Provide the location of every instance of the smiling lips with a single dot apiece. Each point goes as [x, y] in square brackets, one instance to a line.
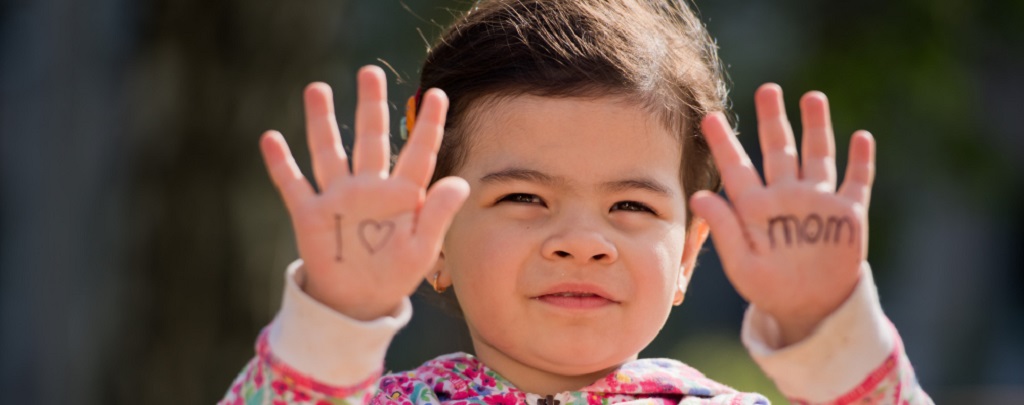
[576, 297]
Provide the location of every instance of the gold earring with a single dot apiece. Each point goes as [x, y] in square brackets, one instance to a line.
[680, 295]
[437, 287]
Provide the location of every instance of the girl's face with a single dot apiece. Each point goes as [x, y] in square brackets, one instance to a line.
[572, 245]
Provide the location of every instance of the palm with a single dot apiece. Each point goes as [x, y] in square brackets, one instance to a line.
[363, 223]
[802, 245]
[794, 246]
[369, 237]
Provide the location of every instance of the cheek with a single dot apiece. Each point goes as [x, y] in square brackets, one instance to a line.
[656, 263]
[486, 263]
[483, 255]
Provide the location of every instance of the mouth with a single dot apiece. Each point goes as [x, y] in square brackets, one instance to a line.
[576, 297]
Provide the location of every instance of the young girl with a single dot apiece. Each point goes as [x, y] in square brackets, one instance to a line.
[572, 193]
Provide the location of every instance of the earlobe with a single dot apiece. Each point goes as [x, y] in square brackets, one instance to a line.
[438, 278]
[680, 287]
[440, 288]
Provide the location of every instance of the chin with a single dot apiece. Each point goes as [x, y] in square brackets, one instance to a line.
[574, 357]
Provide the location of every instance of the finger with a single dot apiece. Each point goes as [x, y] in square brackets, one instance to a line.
[726, 230]
[776, 135]
[329, 160]
[443, 201]
[416, 162]
[372, 148]
[738, 173]
[819, 148]
[284, 172]
[860, 169]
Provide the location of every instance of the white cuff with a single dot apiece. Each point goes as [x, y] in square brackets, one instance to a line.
[325, 344]
[844, 349]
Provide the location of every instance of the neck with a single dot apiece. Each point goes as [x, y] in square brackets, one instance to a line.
[533, 379]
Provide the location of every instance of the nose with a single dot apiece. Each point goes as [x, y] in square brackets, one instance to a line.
[580, 245]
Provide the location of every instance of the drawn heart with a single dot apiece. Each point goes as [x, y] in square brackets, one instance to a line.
[375, 235]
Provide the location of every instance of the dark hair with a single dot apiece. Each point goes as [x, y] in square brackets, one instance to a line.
[654, 52]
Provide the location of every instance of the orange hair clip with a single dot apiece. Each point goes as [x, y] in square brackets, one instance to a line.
[409, 120]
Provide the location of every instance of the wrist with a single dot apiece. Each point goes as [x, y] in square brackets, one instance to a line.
[795, 329]
[324, 344]
[795, 326]
[357, 307]
[844, 347]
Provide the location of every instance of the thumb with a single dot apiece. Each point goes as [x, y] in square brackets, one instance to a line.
[726, 231]
[443, 200]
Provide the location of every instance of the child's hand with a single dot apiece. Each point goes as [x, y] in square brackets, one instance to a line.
[367, 239]
[793, 247]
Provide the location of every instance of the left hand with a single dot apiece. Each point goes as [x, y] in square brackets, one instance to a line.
[793, 246]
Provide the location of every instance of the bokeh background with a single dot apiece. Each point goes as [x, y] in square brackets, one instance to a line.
[143, 247]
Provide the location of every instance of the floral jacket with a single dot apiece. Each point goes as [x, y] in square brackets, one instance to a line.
[461, 379]
[855, 357]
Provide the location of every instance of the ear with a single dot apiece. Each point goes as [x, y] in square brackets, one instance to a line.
[695, 238]
[444, 279]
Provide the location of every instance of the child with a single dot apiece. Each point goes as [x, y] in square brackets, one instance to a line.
[571, 196]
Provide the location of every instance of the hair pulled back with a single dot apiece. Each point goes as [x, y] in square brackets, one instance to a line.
[656, 53]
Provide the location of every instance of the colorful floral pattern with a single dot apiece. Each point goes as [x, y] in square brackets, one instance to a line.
[268, 380]
[461, 379]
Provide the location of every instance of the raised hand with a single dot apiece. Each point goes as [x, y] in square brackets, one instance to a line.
[367, 239]
[792, 246]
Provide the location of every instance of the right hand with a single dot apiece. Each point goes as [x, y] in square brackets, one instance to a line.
[366, 239]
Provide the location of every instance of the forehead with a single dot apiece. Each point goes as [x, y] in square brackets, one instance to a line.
[597, 139]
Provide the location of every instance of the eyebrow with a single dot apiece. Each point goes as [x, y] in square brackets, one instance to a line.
[520, 174]
[638, 184]
[534, 176]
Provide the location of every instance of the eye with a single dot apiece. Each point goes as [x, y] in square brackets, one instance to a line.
[632, 206]
[522, 198]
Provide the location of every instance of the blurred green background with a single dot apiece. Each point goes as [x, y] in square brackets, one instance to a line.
[142, 247]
